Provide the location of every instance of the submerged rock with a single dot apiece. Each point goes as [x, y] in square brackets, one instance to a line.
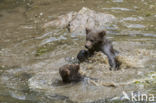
[76, 22]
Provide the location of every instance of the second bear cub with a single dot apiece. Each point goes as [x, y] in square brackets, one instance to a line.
[70, 73]
[96, 41]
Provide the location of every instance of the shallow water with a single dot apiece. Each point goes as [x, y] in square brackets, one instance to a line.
[30, 56]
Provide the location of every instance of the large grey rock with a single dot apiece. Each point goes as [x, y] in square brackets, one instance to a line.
[76, 22]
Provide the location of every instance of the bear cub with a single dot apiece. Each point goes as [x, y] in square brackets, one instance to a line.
[96, 41]
[70, 73]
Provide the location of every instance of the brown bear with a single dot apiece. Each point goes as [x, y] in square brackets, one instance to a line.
[70, 73]
[96, 41]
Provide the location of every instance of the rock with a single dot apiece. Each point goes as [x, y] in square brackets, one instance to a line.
[62, 21]
[76, 22]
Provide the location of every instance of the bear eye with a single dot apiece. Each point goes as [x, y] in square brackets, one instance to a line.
[92, 40]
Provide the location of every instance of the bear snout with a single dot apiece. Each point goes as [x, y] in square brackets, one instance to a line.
[88, 45]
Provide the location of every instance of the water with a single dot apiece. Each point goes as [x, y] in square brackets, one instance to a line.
[30, 56]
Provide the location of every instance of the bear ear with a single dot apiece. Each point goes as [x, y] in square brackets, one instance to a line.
[102, 33]
[87, 30]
